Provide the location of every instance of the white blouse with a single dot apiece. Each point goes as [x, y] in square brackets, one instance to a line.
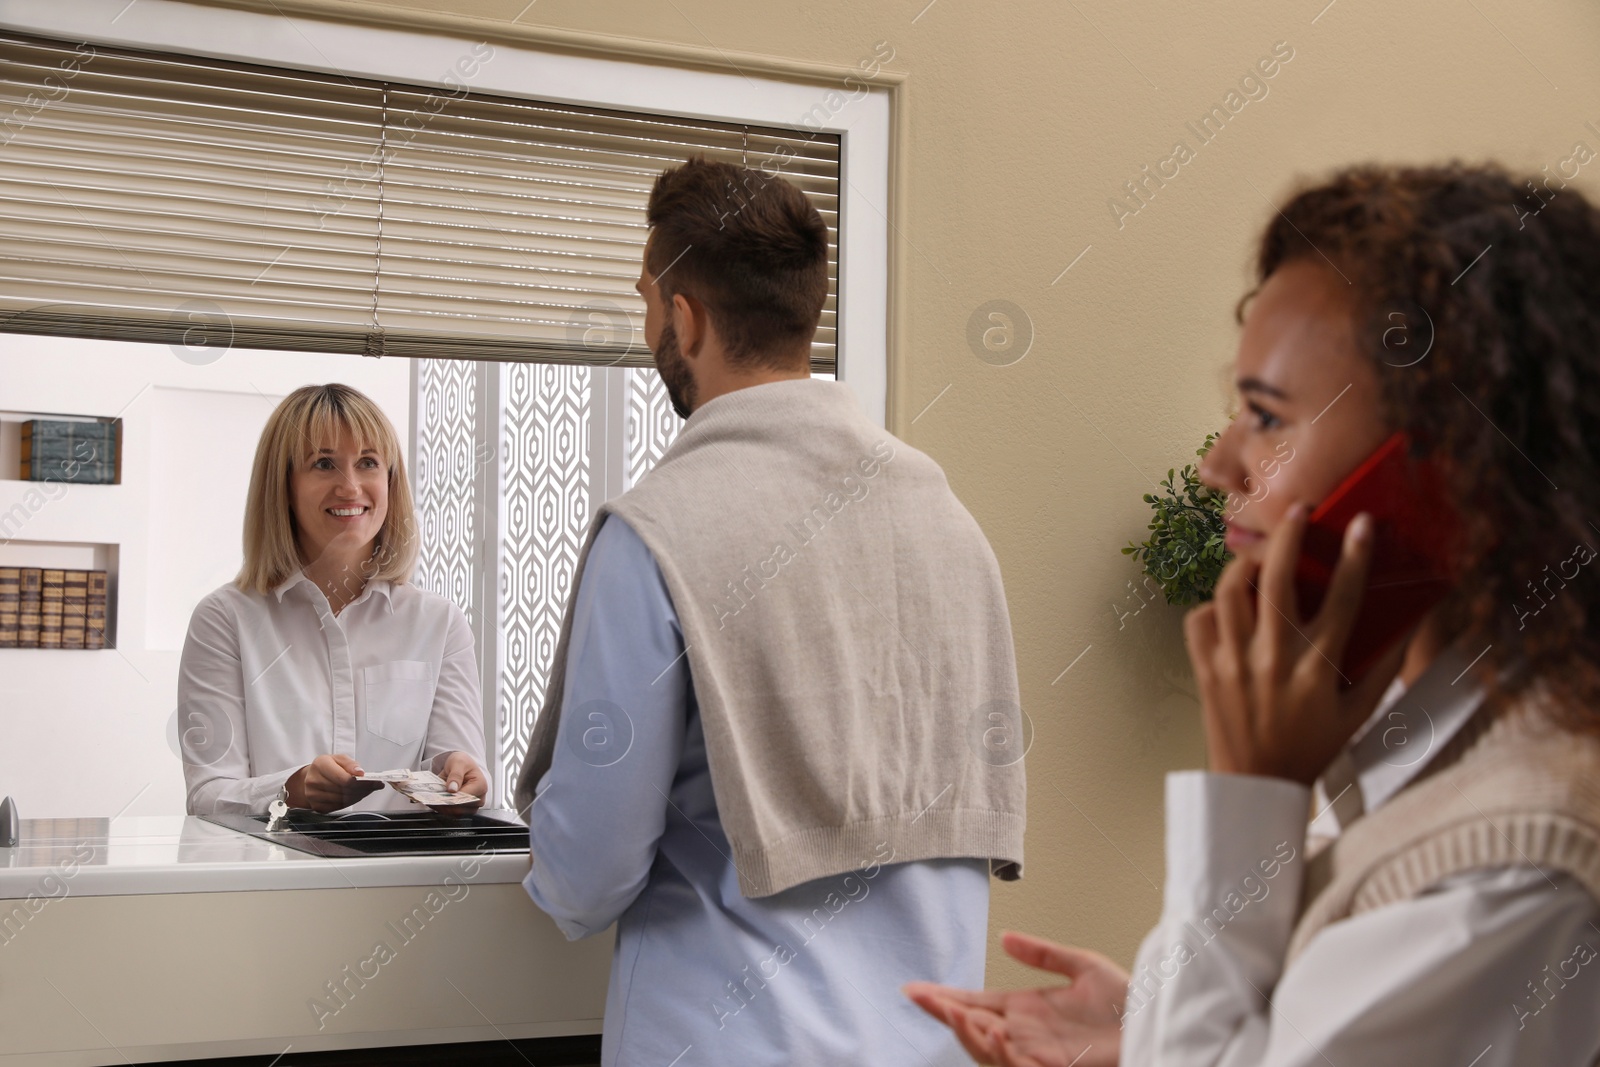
[1489, 968]
[268, 682]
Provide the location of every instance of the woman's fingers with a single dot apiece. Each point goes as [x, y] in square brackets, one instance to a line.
[330, 783]
[973, 1027]
[933, 999]
[1236, 614]
[1280, 608]
[977, 1031]
[1234, 599]
[1200, 638]
[987, 999]
[336, 770]
[1338, 614]
[929, 998]
[1050, 956]
[463, 773]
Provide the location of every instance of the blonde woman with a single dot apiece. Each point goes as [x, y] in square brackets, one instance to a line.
[320, 660]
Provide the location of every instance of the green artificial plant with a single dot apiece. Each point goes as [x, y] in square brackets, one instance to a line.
[1184, 552]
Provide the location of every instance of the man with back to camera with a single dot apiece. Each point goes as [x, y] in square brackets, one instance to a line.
[780, 745]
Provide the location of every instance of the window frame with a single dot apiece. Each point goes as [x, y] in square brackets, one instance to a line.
[859, 111]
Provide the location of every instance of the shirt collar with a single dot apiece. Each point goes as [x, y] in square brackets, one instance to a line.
[1407, 729]
[379, 586]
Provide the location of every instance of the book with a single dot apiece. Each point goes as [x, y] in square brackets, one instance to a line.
[28, 617]
[61, 451]
[75, 588]
[10, 607]
[50, 628]
[95, 622]
[45, 431]
[94, 628]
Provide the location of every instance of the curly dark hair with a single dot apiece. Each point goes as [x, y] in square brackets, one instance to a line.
[1493, 284]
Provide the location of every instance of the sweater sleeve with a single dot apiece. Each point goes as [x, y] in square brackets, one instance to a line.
[1490, 968]
[601, 808]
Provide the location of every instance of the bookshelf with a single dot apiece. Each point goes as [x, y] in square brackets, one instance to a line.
[57, 526]
[84, 577]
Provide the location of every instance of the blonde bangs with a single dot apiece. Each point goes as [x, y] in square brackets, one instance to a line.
[310, 418]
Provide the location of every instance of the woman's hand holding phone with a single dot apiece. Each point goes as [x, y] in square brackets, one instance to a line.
[1269, 681]
[328, 783]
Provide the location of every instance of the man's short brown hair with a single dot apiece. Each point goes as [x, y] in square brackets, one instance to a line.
[749, 246]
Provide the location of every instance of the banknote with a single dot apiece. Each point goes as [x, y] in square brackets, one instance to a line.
[401, 775]
[443, 799]
[424, 787]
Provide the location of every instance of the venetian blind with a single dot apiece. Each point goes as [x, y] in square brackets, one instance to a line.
[183, 200]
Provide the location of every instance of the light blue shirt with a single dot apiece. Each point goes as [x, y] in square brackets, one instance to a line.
[625, 830]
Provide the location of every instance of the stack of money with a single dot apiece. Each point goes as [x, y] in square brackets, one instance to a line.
[424, 787]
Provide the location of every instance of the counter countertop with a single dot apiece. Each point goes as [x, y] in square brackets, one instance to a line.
[184, 854]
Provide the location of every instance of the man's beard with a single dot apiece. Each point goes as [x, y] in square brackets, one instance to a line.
[675, 374]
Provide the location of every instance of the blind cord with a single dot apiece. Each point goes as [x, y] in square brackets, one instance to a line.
[375, 336]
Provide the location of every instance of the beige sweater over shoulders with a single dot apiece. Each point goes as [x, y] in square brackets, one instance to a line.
[847, 637]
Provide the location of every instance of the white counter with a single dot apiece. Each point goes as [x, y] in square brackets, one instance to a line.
[145, 939]
[185, 854]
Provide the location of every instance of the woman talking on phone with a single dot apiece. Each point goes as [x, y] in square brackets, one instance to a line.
[320, 661]
[1441, 907]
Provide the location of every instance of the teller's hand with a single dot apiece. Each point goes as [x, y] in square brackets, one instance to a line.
[462, 774]
[328, 783]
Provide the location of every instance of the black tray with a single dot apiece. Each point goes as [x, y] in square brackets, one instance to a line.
[383, 833]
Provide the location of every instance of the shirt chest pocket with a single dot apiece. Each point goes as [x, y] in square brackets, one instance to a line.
[398, 698]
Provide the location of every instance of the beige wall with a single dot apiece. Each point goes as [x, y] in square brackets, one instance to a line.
[1024, 118]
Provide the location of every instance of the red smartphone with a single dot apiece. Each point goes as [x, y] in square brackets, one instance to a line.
[1414, 527]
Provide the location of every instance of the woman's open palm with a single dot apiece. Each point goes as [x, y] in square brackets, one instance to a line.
[1073, 1025]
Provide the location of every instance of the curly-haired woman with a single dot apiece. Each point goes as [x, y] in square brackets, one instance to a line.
[1441, 907]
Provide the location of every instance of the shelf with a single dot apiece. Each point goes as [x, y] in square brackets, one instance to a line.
[67, 555]
[61, 511]
[11, 445]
